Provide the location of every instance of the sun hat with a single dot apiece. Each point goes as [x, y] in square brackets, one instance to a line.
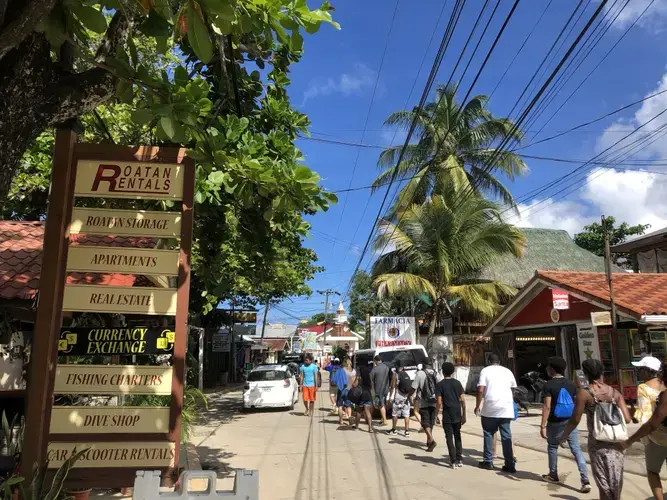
[648, 362]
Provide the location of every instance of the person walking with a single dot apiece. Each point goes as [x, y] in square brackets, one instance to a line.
[308, 383]
[399, 398]
[654, 434]
[495, 389]
[364, 402]
[332, 368]
[648, 391]
[451, 399]
[343, 402]
[424, 387]
[559, 396]
[606, 457]
[380, 379]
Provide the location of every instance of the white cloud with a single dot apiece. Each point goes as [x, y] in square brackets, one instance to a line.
[653, 20]
[644, 149]
[635, 197]
[346, 84]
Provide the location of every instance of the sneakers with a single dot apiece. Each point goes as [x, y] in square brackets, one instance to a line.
[407, 434]
[585, 487]
[486, 465]
[431, 446]
[509, 469]
[391, 432]
[550, 478]
[459, 464]
[452, 465]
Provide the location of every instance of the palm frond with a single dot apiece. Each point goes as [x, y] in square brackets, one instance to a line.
[403, 284]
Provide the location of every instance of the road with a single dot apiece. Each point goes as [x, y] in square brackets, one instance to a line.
[306, 458]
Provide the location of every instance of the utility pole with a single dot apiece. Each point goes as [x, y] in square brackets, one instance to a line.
[326, 294]
[610, 281]
[266, 311]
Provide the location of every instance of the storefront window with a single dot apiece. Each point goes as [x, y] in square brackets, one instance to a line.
[607, 355]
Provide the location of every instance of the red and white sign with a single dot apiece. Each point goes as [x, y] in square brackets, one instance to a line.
[560, 298]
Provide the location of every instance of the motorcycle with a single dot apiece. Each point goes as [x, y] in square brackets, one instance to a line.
[530, 391]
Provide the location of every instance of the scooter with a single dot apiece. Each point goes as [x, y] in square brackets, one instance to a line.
[533, 383]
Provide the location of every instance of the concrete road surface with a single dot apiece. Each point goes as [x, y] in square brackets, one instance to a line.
[307, 458]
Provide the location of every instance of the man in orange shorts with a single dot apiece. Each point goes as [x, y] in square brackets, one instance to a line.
[308, 382]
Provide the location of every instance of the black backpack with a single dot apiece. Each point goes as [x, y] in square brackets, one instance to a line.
[428, 392]
[404, 382]
[355, 394]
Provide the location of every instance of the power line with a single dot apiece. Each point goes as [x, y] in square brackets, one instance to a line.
[416, 117]
[427, 89]
[368, 113]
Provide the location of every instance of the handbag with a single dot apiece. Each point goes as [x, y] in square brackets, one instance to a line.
[608, 422]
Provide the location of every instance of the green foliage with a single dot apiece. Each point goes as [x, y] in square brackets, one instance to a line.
[318, 318]
[14, 443]
[38, 490]
[456, 144]
[592, 238]
[193, 402]
[436, 248]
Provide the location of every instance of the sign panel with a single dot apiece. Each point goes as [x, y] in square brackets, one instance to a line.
[245, 317]
[108, 419]
[110, 341]
[561, 299]
[587, 338]
[119, 299]
[308, 339]
[220, 342]
[392, 330]
[125, 222]
[601, 318]
[113, 379]
[141, 455]
[136, 180]
[147, 261]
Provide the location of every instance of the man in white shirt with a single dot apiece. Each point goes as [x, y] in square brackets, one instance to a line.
[495, 388]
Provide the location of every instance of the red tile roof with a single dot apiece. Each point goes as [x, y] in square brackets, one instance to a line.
[275, 344]
[637, 293]
[21, 259]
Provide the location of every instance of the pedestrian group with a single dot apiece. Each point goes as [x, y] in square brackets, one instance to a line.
[438, 399]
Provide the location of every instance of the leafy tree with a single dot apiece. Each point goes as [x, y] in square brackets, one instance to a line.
[60, 59]
[252, 190]
[456, 145]
[318, 318]
[592, 238]
[365, 302]
[436, 251]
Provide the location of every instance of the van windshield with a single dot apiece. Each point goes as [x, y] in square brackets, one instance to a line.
[409, 358]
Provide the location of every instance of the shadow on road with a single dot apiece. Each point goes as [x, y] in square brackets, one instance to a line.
[431, 460]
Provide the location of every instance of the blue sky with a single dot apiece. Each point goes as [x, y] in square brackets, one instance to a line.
[342, 87]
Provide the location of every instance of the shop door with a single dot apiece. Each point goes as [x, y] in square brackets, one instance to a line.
[503, 346]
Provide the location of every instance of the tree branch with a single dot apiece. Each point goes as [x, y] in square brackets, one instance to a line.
[116, 36]
[24, 24]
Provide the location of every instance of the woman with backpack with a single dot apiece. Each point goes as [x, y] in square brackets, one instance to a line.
[655, 450]
[559, 396]
[607, 416]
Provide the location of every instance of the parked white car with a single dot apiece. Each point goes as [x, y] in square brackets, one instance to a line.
[270, 386]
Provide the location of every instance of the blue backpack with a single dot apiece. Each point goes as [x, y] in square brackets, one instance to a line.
[564, 405]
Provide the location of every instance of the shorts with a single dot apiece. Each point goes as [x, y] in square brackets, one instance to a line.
[428, 416]
[401, 408]
[655, 456]
[333, 389]
[341, 399]
[309, 393]
[380, 400]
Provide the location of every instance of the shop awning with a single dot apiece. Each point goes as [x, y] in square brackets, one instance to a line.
[275, 344]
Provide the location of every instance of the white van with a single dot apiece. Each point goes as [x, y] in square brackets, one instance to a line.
[410, 356]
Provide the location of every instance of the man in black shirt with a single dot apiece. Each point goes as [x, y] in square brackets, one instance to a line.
[365, 403]
[451, 399]
[559, 398]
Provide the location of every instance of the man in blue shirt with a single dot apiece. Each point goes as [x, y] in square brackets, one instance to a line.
[308, 382]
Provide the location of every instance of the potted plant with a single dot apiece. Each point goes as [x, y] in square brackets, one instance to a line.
[79, 493]
[11, 441]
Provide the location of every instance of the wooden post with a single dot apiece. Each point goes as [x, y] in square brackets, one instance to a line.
[183, 298]
[44, 354]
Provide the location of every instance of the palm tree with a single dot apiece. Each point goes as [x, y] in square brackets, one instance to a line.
[456, 146]
[436, 248]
